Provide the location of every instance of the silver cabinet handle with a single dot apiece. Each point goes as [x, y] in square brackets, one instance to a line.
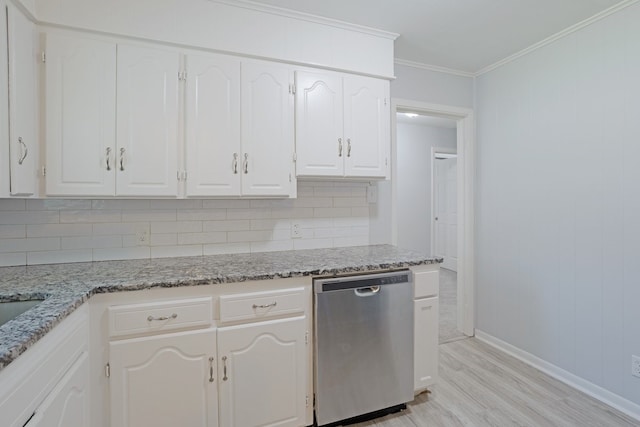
[23, 154]
[348, 147]
[108, 158]
[211, 369]
[224, 368]
[273, 304]
[339, 147]
[122, 159]
[151, 318]
[235, 163]
[246, 163]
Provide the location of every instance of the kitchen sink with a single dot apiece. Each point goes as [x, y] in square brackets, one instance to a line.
[11, 309]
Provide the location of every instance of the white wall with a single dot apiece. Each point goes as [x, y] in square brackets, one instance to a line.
[558, 202]
[434, 87]
[414, 182]
[62, 230]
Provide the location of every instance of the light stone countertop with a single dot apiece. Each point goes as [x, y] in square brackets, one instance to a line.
[64, 287]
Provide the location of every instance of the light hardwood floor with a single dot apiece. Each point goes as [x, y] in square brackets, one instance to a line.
[482, 386]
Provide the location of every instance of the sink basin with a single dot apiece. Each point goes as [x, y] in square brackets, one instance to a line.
[12, 309]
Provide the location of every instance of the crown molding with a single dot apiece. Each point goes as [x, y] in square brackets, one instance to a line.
[288, 13]
[435, 68]
[572, 29]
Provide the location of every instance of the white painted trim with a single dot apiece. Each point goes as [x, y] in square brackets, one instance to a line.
[289, 13]
[605, 396]
[435, 150]
[466, 175]
[572, 29]
[435, 68]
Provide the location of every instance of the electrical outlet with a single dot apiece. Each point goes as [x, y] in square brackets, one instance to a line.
[142, 235]
[635, 366]
[296, 233]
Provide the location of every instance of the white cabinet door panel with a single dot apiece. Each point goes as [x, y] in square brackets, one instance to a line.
[426, 342]
[23, 143]
[147, 121]
[212, 124]
[80, 116]
[164, 380]
[366, 129]
[68, 403]
[267, 130]
[319, 124]
[263, 368]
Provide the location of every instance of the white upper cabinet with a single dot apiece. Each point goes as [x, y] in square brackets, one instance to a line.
[342, 125]
[366, 126]
[147, 121]
[80, 116]
[319, 124]
[23, 142]
[212, 123]
[267, 130]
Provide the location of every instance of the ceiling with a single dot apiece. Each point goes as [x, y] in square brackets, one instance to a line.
[462, 35]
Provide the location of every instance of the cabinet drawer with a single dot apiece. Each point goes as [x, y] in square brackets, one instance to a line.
[160, 316]
[261, 305]
[426, 283]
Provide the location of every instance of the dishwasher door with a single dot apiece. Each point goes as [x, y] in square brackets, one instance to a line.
[364, 344]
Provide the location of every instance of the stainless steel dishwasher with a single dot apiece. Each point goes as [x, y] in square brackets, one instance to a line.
[363, 346]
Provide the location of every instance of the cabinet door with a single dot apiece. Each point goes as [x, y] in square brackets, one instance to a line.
[4, 106]
[366, 127]
[320, 147]
[80, 116]
[426, 342]
[147, 122]
[267, 130]
[212, 124]
[23, 144]
[68, 403]
[164, 381]
[262, 367]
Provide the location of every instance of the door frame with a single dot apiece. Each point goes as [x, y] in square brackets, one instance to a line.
[465, 139]
[435, 150]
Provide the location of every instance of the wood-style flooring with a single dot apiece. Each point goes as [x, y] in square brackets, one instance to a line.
[482, 386]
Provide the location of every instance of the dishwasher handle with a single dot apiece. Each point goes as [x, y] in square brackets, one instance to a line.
[367, 292]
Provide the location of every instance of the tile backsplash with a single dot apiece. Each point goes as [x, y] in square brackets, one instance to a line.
[45, 231]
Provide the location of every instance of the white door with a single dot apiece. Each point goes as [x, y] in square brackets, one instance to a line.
[267, 130]
[446, 212]
[4, 106]
[164, 381]
[212, 123]
[366, 126]
[320, 146]
[262, 371]
[23, 143]
[147, 122]
[68, 403]
[80, 116]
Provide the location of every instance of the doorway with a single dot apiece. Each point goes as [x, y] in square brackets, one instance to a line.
[444, 202]
[464, 123]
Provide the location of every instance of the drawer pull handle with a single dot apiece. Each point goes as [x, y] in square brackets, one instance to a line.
[273, 304]
[211, 369]
[224, 368]
[151, 318]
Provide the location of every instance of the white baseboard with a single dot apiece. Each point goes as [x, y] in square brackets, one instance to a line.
[621, 404]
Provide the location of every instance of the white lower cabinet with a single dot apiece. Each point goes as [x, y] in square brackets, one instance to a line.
[164, 380]
[68, 403]
[426, 319]
[262, 371]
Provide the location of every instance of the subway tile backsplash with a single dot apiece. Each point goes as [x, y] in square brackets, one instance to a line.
[330, 214]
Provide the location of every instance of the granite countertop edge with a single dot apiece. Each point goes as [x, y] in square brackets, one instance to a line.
[65, 287]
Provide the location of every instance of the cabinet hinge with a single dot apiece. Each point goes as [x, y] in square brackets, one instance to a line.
[44, 171]
[306, 341]
[107, 370]
[289, 177]
[292, 89]
[385, 101]
[306, 401]
[295, 157]
[386, 161]
[43, 56]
